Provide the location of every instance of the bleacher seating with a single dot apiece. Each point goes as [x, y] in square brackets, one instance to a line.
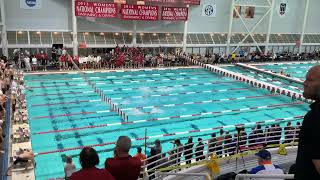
[89, 38]
[127, 38]
[99, 38]
[67, 37]
[146, 38]
[12, 37]
[170, 39]
[109, 38]
[163, 39]
[46, 38]
[18, 37]
[22, 38]
[80, 37]
[202, 39]
[118, 38]
[35, 37]
[312, 38]
[57, 38]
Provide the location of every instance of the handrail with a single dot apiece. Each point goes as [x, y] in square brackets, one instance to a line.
[243, 139]
[288, 136]
[205, 175]
[265, 176]
[7, 138]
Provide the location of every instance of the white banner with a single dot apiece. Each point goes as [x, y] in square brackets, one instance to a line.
[209, 8]
[30, 4]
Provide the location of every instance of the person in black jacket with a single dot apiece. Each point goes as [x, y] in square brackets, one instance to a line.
[188, 153]
[199, 150]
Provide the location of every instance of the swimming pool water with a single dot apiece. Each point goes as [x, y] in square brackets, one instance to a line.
[294, 69]
[66, 113]
[266, 78]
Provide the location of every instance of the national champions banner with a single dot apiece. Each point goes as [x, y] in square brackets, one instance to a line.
[30, 4]
[174, 13]
[96, 9]
[209, 8]
[139, 12]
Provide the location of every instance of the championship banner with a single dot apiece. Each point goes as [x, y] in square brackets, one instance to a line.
[192, 2]
[30, 4]
[209, 9]
[96, 9]
[163, 1]
[139, 12]
[174, 13]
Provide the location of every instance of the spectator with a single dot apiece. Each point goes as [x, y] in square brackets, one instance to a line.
[123, 166]
[212, 144]
[252, 137]
[297, 131]
[308, 156]
[69, 168]
[188, 151]
[199, 150]
[219, 144]
[228, 143]
[265, 165]
[178, 150]
[140, 155]
[288, 132]
[89, 159]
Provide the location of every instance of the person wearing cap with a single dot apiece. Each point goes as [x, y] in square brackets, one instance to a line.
[123, 166]
[265, 164]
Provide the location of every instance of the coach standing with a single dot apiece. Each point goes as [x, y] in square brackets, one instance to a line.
[308, 157]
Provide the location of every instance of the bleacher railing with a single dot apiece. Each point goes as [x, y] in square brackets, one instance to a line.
[264, 176]
[268, 138]
[205, 176]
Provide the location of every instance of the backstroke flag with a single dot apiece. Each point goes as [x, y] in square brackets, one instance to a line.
[209, 8]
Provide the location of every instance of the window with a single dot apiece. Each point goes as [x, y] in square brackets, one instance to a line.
[249, 13]
[235, 15]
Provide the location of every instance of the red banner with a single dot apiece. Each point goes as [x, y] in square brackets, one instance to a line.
[194, 2]
[163, 1]
[174, 13]
[139, 12]
[96, 9]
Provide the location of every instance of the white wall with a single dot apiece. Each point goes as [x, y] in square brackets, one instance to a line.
[55, 15]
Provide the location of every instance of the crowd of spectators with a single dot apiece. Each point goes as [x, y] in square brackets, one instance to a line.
[136, 57]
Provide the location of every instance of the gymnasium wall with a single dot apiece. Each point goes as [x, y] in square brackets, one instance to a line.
[55, 15]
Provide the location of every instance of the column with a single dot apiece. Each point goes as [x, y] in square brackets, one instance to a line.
[230, 27]
[74, 30]
[185, 34]
[134, 34]
[306, 11]
[269, 28]
[4, 39]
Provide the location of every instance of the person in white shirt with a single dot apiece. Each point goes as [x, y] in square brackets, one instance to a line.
[34, 63]
[69, 168]
[27, 63]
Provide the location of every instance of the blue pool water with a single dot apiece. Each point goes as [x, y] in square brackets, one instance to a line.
[266, 78]
[65, 114]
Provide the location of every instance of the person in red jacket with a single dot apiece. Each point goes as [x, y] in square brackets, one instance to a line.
[123, 166]
[88, 160]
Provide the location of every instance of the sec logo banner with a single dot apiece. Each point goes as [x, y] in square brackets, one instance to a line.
[30, 4]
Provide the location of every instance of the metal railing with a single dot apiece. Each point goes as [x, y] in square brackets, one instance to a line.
[264, 176]
[6, 147]
[204, 175]
[268, 138]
